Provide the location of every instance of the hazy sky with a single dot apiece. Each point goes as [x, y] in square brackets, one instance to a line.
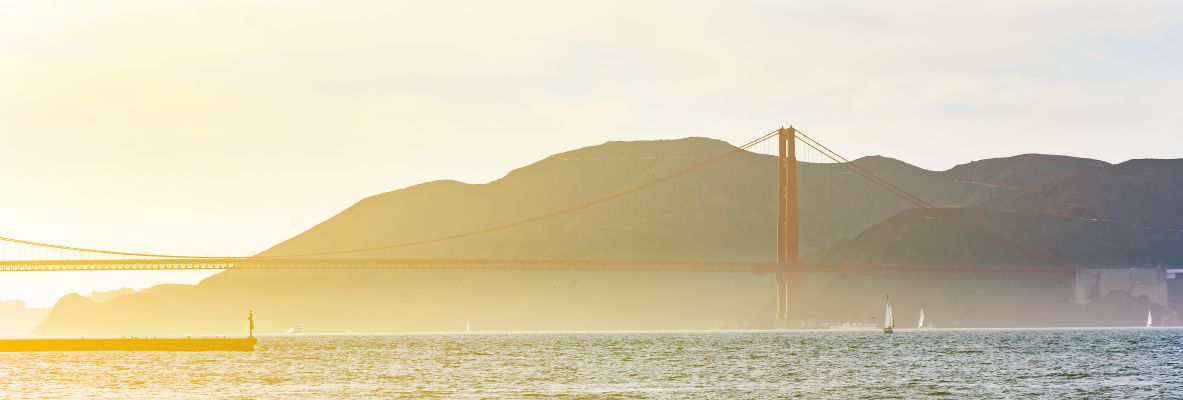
[224, 127]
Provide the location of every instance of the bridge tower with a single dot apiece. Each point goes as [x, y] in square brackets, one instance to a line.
[788, 274]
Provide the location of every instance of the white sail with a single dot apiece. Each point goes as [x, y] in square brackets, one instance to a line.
[888, 320]
[1149, 319]
[921, 324]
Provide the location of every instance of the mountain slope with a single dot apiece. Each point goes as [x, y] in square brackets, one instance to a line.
[721, 212]
[17, 320]
[941, 237]
[1146, 193]
[1020, 170]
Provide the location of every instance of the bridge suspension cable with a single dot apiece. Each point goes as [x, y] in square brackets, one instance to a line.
[810, 143]
[588, 204]
[101, 251]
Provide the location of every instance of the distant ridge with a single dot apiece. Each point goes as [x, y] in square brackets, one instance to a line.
[1147, 193]
[925, 237]
[1020, 170]
[724, 212]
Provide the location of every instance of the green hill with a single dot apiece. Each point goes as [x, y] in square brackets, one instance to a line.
[940, 237]
[722, 212]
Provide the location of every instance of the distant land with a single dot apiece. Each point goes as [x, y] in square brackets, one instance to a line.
[16, 319]
[1085, 212]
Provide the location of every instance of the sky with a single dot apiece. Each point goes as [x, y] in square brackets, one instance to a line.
[225, 127]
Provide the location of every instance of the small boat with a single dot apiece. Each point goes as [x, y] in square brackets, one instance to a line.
[295, 330]
[467, 326]
[1149, 319]
[921, 324]
[888, 320]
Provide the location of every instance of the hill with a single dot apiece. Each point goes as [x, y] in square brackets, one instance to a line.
[1020, 170]
[16, 319]
[1145, 193]
[723, 212]
[941, 237]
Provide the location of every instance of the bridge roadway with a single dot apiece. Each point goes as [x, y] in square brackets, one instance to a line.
[281, 263]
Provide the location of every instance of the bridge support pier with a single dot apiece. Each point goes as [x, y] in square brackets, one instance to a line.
[788, 298]
[780, 299]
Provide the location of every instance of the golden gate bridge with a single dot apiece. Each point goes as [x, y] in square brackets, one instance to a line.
[787, 266]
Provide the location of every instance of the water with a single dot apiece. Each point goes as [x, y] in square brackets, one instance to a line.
[1098, 363]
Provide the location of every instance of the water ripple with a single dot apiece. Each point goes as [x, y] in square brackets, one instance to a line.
[1107, 363]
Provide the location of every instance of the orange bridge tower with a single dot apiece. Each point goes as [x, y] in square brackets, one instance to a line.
[788, 272]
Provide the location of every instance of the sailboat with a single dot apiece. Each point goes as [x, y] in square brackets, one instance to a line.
[1149, 319]
[921, 324]
[888, 320]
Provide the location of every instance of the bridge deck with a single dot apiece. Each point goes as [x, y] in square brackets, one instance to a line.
[280, 263]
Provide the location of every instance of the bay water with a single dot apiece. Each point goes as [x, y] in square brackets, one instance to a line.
[987, 364]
